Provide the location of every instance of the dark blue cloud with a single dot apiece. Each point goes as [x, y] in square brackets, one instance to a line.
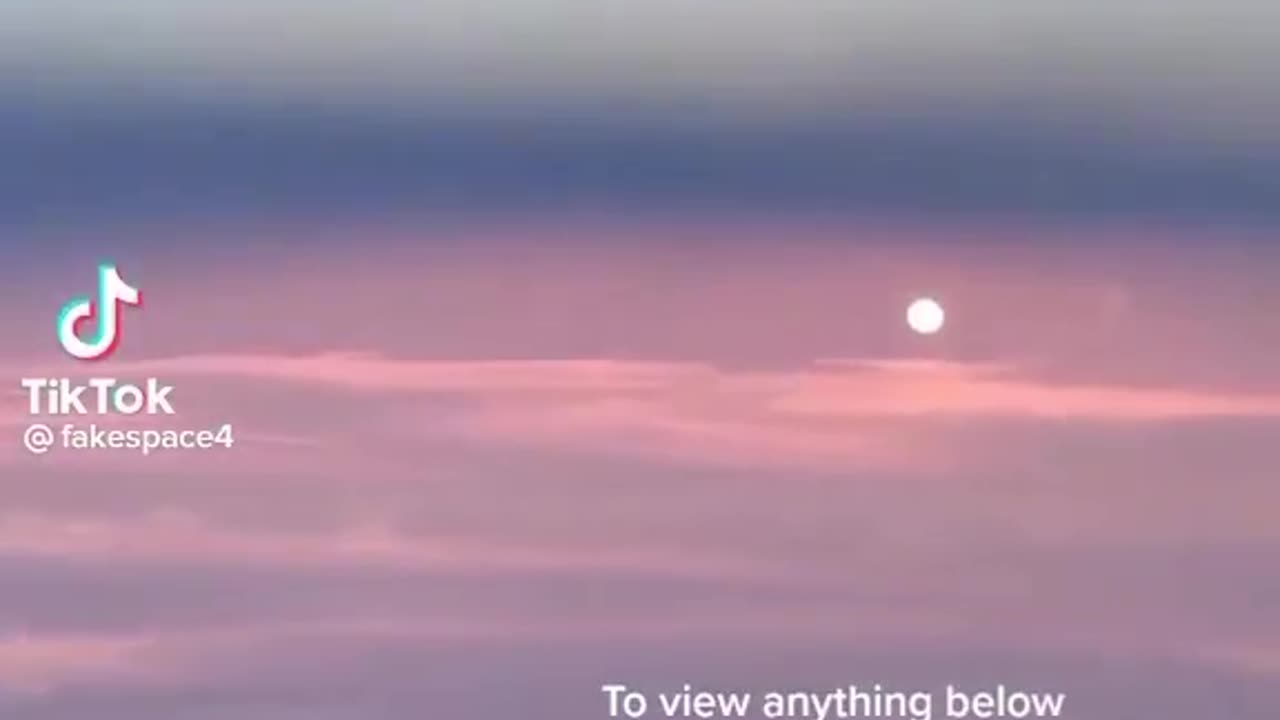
[82, 162]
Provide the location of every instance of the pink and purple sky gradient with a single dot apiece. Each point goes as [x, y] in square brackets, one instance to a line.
[566, 346]
[489, 480]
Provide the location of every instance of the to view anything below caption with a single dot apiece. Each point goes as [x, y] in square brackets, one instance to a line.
[850, 702]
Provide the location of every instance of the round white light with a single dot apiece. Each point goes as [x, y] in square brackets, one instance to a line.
[926, 316]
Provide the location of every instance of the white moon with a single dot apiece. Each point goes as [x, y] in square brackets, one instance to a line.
[926, 316]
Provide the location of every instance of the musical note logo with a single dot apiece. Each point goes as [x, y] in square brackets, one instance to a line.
[113, 292]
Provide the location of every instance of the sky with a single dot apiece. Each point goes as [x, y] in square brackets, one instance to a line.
[564, 345]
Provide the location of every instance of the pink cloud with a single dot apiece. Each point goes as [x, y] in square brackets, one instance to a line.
[938, 389]
[829, 413]
[189, 539]
[36, 664]
[825, 414]
[868, 388]
[375, 372]
[656, 430]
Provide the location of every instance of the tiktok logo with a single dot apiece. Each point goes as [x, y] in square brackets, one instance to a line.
[113, 292]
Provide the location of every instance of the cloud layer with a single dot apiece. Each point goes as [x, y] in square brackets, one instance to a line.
[486, 481]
